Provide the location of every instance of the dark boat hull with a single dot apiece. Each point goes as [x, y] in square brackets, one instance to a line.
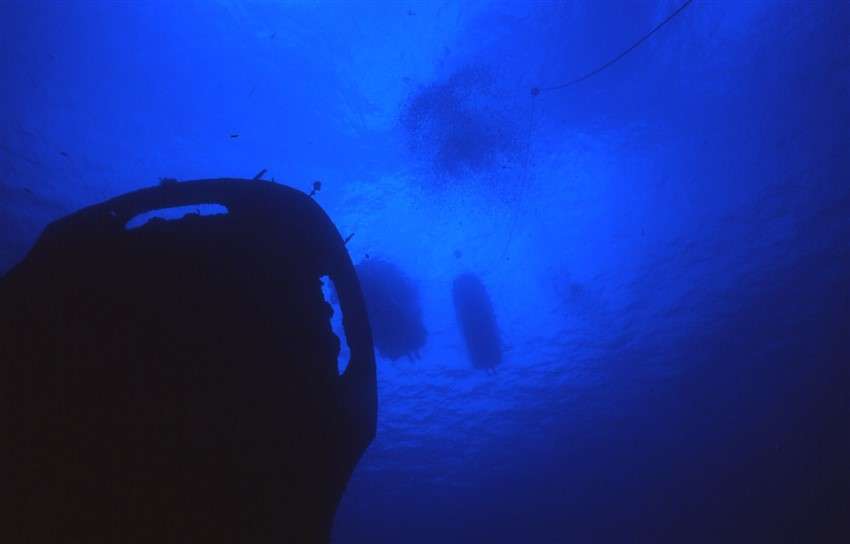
[177, 382]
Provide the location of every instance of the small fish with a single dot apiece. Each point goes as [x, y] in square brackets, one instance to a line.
[234, 135]
[317, 186]
[349, 237]
[273, 35]
[260, 174]
[63, 153]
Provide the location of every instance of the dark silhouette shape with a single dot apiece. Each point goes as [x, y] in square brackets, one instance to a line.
[317, 186]
[178, 382]
[394, 310]
[477, 321]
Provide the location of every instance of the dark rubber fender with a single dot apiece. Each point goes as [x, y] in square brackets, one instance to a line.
[395, 313]
[477, 321]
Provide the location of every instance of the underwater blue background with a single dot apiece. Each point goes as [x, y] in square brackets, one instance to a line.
[666, 244]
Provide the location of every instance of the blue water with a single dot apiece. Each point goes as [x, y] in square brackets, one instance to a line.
[666, 244]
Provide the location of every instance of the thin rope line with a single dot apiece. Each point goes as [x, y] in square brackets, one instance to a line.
[524, 184]
[537, 90]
